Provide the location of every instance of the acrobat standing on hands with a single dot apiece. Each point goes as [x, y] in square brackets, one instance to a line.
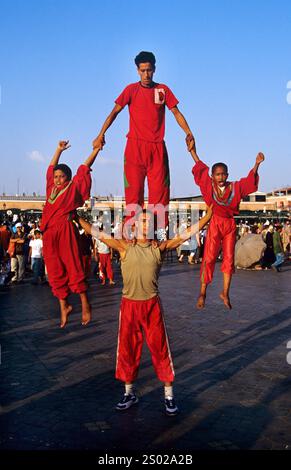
[225, 196]
[145, 152]
[61, 249]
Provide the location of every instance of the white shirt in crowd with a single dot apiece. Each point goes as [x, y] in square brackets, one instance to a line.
[36, 248]
[101, 247]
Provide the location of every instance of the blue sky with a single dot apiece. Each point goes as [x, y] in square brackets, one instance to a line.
[63, 63]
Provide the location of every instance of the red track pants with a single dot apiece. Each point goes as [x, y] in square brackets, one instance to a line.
[221, 234]
[63, 260]
[147, 159]
[105, 266]
[136, 317]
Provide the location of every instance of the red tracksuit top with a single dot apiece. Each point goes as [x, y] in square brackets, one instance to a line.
[147, 110]
[240, 189]
[74, 196]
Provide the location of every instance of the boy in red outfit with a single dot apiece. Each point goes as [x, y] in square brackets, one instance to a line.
[61, 248]
[145, 153]
[225, 197]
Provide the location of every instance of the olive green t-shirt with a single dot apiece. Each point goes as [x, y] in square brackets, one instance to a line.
[140, 270]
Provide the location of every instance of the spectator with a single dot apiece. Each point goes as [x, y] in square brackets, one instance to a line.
[286, 237]
[269, 255]
[35, 254]
[278, 249]
[17, 259]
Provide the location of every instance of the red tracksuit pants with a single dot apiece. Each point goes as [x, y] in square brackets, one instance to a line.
[147, 159]
[105, 266]
[220, 234]
[138, 317]
[63, 260]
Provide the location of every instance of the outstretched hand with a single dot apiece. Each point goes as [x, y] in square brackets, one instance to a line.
[63, 145]
[99, 142]
[260, 158]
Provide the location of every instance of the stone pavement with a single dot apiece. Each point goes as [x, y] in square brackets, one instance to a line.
[233, 382]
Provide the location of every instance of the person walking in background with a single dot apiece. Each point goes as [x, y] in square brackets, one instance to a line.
[103, 257]
[278, 249]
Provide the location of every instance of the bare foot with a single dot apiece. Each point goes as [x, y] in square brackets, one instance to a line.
[112, 283]
[86, 315]
[226, 300]
[65, 312]
[201, 302]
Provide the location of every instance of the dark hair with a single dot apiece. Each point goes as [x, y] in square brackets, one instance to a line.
[143, 57]
[217, 165]
[37, 231]
[65, 169]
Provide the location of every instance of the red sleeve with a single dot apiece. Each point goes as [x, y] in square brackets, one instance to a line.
[124, 97]
[171, 100]
[82, 181]
[49, 179]
[202, 179]
[249, 184]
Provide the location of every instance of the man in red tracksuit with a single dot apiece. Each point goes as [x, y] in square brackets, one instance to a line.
[141, 312]
[145, 153]
[61, 249]
[225, 197]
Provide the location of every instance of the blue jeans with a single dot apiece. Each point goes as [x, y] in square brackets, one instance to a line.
[279, 260]
[36, 264]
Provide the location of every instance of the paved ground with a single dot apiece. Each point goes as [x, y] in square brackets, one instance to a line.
[233, 381]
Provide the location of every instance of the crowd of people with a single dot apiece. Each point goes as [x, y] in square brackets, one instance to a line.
[21, 249]
[21, 254]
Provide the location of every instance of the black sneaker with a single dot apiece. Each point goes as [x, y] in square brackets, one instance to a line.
[171, 407]
[127, 401]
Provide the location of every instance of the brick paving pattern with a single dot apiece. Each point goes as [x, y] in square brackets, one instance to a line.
[232, 385]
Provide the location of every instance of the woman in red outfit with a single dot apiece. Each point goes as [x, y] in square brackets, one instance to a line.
[225, 197]
[61, 248]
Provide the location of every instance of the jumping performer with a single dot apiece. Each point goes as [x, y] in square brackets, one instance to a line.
[145, 152]
[61, 248]
[225, 197]
[141, 309]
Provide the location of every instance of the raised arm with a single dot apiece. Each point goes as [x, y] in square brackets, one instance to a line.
[260, 158]
[91, 159]
[188, 233]
[194, 155]
[190, 141]
[250, 183]
[100, 139]
[62, 145]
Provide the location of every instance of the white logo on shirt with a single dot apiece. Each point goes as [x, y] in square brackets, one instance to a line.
[160, 96]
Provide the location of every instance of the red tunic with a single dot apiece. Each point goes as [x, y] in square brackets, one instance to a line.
[61, 248]
[222, 229]
[238, 191]
[72, 197]
[147, 110]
